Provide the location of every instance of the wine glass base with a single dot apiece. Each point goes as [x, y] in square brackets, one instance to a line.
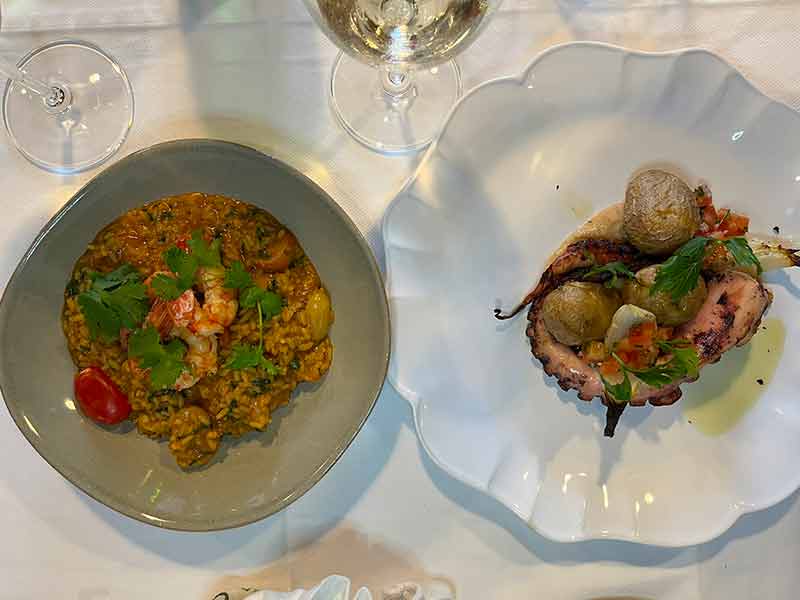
[90, 127]
[388, 123]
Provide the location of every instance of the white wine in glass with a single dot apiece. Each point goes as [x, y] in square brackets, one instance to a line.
[395, 80]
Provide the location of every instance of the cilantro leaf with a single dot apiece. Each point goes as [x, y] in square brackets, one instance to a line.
[101, 319]
[129, 302]
[250, 297]
[166, 287]
[165, 362]
[118, 277]
[207, 255]
[237, 277]
[742, 252]
[680, 273]
[270, 302]
[114, 300]
[244, 356]
[615, 270]
[184, 266]
[620, 392]
[169, 368]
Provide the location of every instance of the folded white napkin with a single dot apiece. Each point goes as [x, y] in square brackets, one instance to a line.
[337, 587]
[334, 587]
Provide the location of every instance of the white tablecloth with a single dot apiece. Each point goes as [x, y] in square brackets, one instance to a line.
[256, 71]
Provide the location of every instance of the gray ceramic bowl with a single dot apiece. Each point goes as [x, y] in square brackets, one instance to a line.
[258, 474]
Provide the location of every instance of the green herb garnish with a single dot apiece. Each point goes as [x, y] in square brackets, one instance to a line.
[245, 356]
[184, 266]
[250, 295]
[620, 392]
[615, 270]
[207, 255]
[742, 253]
[164, 361]
[115, 300]
[684, 362]
[237, 277]
[267, 303]
[120, 276]
[680, 273]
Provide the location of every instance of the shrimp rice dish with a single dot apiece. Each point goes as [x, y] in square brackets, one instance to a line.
[195, 317]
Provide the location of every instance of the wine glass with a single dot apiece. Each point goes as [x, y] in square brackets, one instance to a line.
[395, 81]
[68, 106]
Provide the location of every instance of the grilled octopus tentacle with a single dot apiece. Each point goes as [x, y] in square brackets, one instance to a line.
[729, 317]
[574, 261]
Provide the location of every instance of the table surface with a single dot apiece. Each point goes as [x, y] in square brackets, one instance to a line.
[256, 72]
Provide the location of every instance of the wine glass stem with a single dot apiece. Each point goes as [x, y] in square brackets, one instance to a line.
[54, 97]
[396, 81]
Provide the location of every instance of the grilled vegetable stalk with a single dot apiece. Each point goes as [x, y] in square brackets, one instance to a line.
[772, 254]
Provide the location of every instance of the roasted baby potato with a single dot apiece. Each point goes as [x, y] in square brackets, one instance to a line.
[667, 311]
[579, 311]
[660, 212]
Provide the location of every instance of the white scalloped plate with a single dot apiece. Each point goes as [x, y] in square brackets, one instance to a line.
[521, 162]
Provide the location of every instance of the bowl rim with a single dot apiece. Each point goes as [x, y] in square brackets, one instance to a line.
[191, 144]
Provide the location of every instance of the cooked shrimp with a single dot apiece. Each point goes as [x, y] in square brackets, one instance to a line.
[165, 315]
[220, 305]
[201, 357]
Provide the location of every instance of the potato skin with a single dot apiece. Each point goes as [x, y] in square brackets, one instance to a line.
[579, 311]
[668, 312]
[660, 212]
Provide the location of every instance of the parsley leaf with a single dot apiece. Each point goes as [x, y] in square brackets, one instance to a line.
[237, 277]
[679, 274]
[684, 363]
[615, 269]
[658, 376]
[742, 252]
[683, 353]
[207, 255]
[164, 361]
[114, 300]
[245, 356]
[620, 392]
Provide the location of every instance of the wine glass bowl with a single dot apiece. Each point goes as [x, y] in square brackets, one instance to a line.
[411, 44]
[86, 117]
[67, 106]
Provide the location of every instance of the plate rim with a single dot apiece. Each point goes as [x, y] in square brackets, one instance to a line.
[314, 478]
[737, 509]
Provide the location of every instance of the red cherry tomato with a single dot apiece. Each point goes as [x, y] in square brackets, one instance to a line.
[99, 398]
